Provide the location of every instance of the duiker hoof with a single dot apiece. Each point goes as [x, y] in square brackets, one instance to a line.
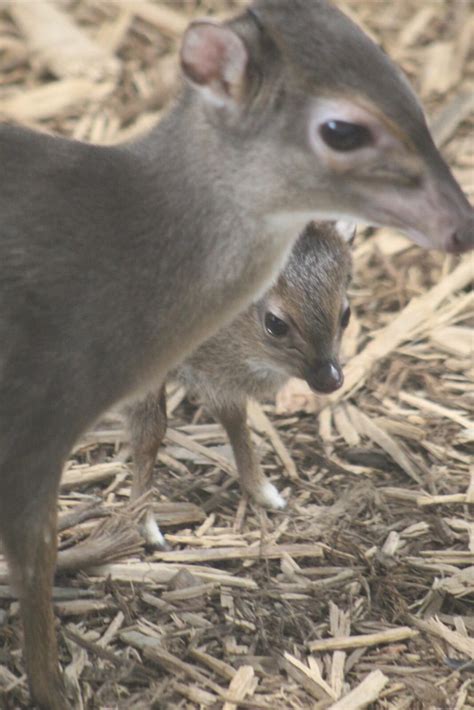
[153, 535]
[269, 497]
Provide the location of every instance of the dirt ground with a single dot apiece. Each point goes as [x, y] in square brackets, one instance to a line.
[362, 590]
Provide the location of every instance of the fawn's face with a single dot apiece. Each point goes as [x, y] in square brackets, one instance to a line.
[303, 317]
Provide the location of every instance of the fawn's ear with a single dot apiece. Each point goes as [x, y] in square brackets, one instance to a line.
[346, 230]
[214, 60]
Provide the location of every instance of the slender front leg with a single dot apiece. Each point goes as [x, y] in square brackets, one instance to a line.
[28, 530]
[147, 422]
[252, 478]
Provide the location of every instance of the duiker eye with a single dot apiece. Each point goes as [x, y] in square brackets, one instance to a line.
[275, 326]
[343, 136]
[345, 318]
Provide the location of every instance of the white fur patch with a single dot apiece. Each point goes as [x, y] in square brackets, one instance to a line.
[346, 229]
[152, 533]
[268, 496]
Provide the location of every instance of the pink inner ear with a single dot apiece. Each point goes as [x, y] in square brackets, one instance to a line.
[205, 62]
[212, 52]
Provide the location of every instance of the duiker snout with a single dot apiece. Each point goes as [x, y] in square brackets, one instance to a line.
[462, 239]
[437, 214]
[443, 212]
[447, 212]
[325, 377]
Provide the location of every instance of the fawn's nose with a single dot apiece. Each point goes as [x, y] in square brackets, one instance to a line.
[326, 377]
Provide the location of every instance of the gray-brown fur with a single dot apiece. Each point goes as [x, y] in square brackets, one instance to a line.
[243, 360]
[116, 262]
[310, 294]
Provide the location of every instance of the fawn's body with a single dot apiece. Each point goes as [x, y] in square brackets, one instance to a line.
[293, 330]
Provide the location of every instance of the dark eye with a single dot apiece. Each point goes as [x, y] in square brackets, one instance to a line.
[275, 326]
[345, 318]
[343, 136]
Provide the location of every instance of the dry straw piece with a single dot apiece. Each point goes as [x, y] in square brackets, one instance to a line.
[59, 45]
[366, 692]
[345, 642]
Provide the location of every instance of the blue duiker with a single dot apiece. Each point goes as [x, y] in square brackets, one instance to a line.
[117, 261]
[294, 330]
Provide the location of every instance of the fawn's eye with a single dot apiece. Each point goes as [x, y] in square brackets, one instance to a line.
[275, 326]
[345, 318]
[343, 136]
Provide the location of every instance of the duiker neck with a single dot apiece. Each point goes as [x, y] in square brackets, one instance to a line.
[188, 154]
[200, 229]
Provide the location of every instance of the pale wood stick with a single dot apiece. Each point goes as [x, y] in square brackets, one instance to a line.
[365, 425]
[436, 627]
[404, 327]
[215, 664]
[177, 437]
[196, 695]
[53, 99]
[366, 692]
[162, 573]
[241, 553]
[310, 678]
[359, 641]
[168, 21]
[422, 403]
[261, 422]
[151, 648]
[461, 498]
[87, 475]
[59, 44]
[243, 683]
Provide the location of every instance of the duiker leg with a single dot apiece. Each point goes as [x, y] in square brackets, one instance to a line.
[28, 529]
[252, 478]
[147, 425]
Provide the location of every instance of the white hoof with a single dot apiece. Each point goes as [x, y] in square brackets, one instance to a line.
[152, 533]
[268, 496]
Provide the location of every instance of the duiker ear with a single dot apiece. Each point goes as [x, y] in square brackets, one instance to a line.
[346, 230]
[214, 60]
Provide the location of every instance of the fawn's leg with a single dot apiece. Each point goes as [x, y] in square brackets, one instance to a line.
[252, 478]
[28, 511]
[147, 422]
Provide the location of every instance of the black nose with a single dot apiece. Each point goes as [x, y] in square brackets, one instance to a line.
[327, 377]
[463, 238]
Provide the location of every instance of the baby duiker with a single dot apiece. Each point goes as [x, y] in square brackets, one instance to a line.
[294, 330]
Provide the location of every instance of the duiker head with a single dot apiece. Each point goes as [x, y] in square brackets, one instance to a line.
[305, 313]
[319, 123]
